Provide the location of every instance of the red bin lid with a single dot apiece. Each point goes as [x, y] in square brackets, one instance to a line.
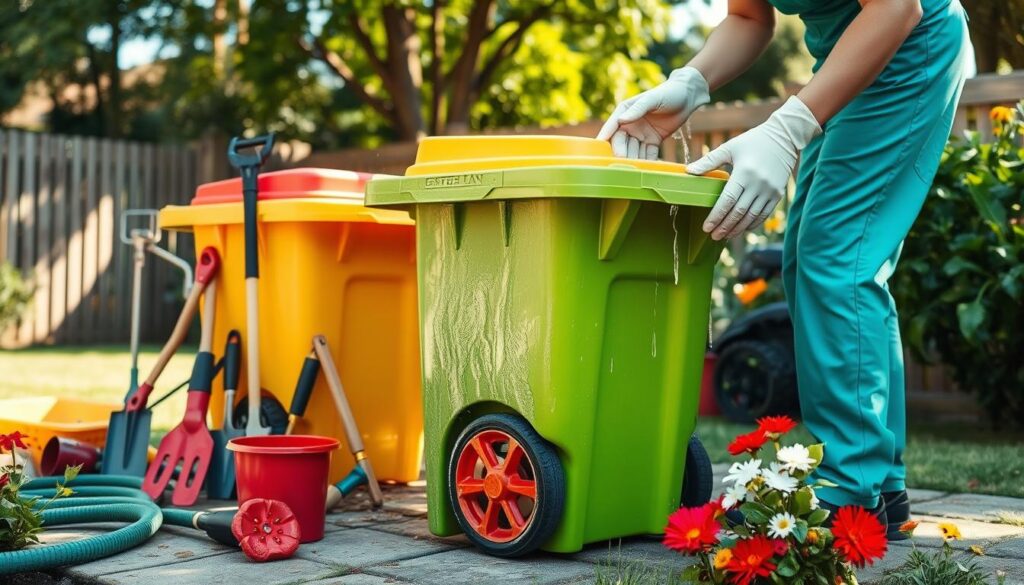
[289, 184]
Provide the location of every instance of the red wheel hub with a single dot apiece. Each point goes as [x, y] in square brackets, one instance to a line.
[496, 485]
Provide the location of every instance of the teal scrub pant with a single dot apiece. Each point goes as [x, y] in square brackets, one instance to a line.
[860, 186]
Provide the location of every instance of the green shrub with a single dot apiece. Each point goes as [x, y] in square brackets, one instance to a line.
[961, 284]
[15, 294]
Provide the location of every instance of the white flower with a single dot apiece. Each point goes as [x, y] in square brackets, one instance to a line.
[795, 458]
[781, 525]
[734, 494]
[776, 478]
[743, 473]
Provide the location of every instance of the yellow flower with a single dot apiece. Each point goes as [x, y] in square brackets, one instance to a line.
[722, 558]
[1001, 114]
[996, 131]
[977, 550]
[772, 224]
[949, 531]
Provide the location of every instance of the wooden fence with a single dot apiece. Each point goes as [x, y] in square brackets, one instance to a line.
[61, 201]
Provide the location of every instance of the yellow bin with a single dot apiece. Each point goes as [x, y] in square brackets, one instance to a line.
[328, 266]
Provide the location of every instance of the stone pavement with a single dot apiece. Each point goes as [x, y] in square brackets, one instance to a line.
[392, 545]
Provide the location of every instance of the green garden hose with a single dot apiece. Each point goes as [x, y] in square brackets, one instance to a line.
[104, 498]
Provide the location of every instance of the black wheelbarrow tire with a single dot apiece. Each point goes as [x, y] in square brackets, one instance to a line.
[698, 477]
[755, 378]
[510, 532]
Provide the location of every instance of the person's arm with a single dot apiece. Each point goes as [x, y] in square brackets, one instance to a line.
[736, 42]
[639, 124]
[860, 55]
[763, 158]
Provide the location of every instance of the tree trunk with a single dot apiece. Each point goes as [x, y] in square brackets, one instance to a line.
[436, 66]
[114, 101]
[405, 70]
[481, 19]
[220, 45]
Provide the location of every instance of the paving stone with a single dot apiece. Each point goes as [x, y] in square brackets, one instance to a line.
[168, 546]
[227, 569]
[973, 532]
[1009, 547]
[873, 574]
[417, 528]
[355, 579]
[469, 567]
[920, 496]
[648, 551]
[360, 547]
[971, 506]
[363, 518]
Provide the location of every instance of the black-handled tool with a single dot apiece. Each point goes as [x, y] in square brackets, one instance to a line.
[249, 166]
[303, 390]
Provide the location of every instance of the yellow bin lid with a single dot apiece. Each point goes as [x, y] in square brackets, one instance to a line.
[291, 195]
[456, 154]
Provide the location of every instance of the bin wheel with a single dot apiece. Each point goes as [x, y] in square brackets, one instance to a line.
[506, 485]
[698, 478]
[755, 379]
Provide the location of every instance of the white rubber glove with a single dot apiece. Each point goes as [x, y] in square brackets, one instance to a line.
[638, 125]
[763, 159]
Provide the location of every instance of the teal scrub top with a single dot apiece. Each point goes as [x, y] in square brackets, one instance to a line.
[825, 20]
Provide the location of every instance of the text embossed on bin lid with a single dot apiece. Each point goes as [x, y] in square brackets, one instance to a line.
[454, 181]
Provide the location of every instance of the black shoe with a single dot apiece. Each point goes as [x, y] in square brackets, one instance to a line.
[897, 510]
[878, 511]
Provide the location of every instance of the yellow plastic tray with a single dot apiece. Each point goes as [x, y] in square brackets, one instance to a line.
[456, 154]
[47, 416]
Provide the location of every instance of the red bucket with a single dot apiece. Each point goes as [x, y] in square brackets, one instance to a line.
[289, 468]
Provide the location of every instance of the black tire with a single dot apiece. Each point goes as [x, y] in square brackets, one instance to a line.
[272, 414]
[538, 458]
[698, 478]
[755, 378]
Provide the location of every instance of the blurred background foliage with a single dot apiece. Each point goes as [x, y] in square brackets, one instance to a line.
[350, 72]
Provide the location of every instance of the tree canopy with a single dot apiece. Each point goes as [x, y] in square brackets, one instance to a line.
[349, 72]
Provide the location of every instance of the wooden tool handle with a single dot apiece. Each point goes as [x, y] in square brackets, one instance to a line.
[323, 353]
[178, 335]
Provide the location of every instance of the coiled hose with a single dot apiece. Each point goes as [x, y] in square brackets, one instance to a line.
[103, 498]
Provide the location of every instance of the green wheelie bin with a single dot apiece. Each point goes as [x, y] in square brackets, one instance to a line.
[564, 299]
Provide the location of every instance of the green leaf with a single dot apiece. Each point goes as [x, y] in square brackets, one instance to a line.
[802, 502]
[957, 264]
[787, 567]
[817, 452]
[970, 316]
[755, 513]
[825, 483]
[800, 531]
[70, 473]
[817, 517]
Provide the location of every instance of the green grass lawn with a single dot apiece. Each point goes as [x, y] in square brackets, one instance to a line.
[98, 372]
[948, 458]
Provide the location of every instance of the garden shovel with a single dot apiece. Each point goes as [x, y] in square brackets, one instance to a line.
[127, 443]
[220, 481]
[249, 165]
[189, 445]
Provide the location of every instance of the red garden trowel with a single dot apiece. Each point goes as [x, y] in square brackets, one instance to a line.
[127, 444]
[189, 445]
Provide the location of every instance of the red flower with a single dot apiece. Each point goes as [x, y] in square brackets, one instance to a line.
[748, 443]
[692, 530]
[267, 530]
[4, 480]
[775, 425]
[751, 558]
[860, 537]
[9, 442]
[781, 547]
